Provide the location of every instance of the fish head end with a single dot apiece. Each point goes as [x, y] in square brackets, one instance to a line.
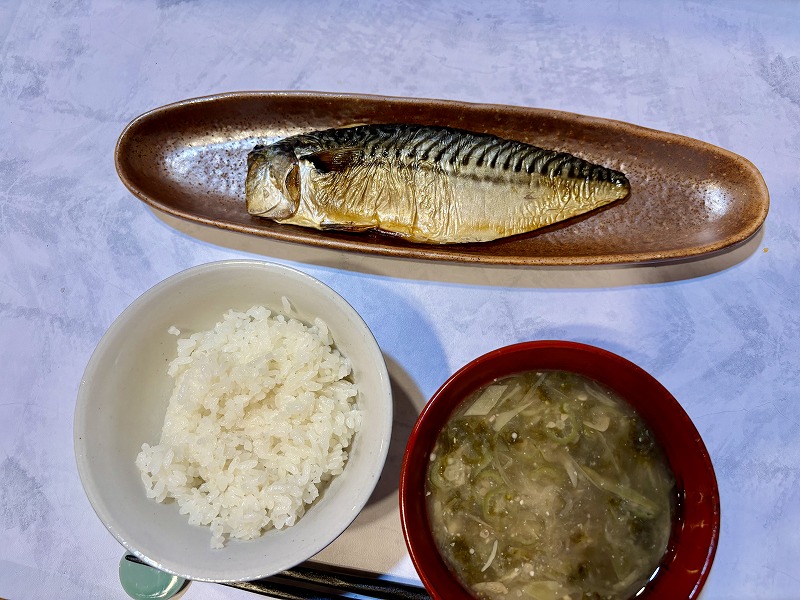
[272, 188]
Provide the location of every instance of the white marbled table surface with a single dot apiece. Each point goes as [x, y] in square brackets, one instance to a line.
[723, 333]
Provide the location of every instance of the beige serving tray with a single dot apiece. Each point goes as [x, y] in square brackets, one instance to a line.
[688, 198]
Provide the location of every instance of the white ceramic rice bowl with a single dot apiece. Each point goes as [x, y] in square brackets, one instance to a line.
[125, 391]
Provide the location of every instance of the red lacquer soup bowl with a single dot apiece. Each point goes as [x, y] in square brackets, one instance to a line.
[696, 516]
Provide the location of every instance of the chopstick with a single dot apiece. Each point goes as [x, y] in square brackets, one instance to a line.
[353, 581]
[282, 591]
[276, 590]
[313, 581]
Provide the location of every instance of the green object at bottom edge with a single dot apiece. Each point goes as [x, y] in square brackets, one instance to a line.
[143, 582]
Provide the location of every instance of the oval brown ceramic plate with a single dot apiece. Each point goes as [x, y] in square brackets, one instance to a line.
[688, 197]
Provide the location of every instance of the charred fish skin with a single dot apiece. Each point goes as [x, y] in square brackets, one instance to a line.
[424, 183]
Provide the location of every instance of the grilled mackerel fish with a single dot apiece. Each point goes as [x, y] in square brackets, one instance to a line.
[433, 185]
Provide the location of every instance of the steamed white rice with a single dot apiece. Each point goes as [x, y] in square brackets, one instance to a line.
[259, 421]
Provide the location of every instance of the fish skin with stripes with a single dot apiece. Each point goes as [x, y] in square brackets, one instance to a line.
[425, 184]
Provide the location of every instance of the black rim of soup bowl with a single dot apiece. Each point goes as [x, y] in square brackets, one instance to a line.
[693, 540]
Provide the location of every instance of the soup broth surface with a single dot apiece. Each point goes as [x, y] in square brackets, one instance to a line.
[547, 485]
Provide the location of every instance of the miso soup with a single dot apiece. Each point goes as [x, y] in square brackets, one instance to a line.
[548, 485]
